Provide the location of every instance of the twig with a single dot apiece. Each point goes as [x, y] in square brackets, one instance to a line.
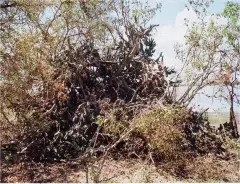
[6, 118]
[113, 146]
[150, 155]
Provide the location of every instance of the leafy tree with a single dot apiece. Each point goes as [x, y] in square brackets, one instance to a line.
[211, 53]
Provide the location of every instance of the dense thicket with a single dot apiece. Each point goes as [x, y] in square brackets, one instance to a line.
[74, 85]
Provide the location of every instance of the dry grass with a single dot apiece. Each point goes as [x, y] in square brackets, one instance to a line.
[203, 169]
[38, 172]
[210, 169]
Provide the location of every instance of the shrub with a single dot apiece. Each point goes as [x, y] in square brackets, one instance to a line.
[114, 122]
[163, 130]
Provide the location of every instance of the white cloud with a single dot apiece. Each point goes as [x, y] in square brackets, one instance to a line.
[168, 35]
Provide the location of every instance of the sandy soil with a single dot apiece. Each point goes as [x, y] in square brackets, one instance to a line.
[115, 171]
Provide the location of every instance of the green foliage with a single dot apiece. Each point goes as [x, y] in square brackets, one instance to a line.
[232, 30]
[162, 128]
[211, 48]
[232, 145]
[149, 49]
[114, 122]
[206, 42]
[232, 11]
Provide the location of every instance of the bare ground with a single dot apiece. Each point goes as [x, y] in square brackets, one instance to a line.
[204, 169]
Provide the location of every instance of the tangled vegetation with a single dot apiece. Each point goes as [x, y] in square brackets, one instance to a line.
[84, 83]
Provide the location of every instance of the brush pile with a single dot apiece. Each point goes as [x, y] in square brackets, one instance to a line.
[87, 84]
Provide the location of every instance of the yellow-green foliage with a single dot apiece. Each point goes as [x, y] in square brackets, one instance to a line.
[163, 130]
[114, 122]
[13, 124]
[231, 144]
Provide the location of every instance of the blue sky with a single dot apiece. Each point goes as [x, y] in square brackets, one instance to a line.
[172, 28]
[172, 31]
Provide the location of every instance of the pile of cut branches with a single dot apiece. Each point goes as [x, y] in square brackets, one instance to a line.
[93, 94]
[87, 82]
[94, 98]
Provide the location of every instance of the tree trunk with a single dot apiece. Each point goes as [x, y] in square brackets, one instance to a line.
[232, 114]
